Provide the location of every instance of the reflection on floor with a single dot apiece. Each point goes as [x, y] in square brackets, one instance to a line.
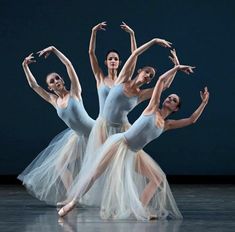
[204, 207]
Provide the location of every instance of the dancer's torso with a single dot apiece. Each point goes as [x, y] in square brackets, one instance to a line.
[103, 92]
[143, 131]
[118, 105]
[75, 116]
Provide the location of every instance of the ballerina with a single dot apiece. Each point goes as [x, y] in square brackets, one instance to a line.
[124, 95]
[112, 62]
[134, 183]
[51, 173]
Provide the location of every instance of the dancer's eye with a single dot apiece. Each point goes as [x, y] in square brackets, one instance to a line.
[57, 77]
[52, 81]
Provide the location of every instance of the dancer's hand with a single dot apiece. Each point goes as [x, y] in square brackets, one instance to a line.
[174, 57]
[205, 95]
[163, 43]
[46, 52]
[100, 26]
[185, 68]
[29, 59]
[126, 28]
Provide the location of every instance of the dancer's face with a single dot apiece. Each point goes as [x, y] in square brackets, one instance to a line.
[172, 102]
[55, 82]
[112, 61]
[145, 75]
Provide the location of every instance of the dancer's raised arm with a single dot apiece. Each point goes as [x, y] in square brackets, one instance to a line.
[176, 62]
[126, 28]
[98, 73]
[161, 83]
[147, 93]
[75, 89]
[128, 69]
[174, 124]
[49, 97]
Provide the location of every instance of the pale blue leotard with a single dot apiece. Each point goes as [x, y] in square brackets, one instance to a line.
[76, 117]
[103, 92]
[118, 105]
[142, 132]
[65, 152]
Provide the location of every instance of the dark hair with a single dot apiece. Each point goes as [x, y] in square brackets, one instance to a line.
[150, 67]
[178, 106]
[146, 66]
[54, 74]
[112, 50]
[180, 102]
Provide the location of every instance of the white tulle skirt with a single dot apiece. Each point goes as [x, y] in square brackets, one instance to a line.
[125, 174]
[51, 173]
[99, 134]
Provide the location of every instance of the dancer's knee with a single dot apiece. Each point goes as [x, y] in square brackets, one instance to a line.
[158, 179]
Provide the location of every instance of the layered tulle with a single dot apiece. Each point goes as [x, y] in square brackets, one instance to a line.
[52, 172]
[99, 134]
[125, 175]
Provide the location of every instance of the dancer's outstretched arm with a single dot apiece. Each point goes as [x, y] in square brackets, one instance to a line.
[159, 87]
[97, 71]
[49, 97]
[176, 62]
[126, 28]
[128, 69]
[147, 93]
[174, 124]
[75, 88]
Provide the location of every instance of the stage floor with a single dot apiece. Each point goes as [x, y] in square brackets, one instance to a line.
[204, 207]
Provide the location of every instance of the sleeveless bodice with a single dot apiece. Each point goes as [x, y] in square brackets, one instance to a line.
[103, 92]
[118, 105]
[142, 132]
[76, 117]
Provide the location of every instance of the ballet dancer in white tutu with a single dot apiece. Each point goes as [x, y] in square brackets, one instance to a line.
[133, 182]
[124, 95]
[51, 173]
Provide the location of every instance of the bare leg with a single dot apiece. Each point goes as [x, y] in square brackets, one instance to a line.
[66, 178]
[101, 168]
[153, 176]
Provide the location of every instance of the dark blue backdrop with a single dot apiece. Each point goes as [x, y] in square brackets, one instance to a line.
[201, 31]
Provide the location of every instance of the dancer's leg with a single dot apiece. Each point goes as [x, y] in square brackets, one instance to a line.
[155, 178]
[66, 178]
[100, 169]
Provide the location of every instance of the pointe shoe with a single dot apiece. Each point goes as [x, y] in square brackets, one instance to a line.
[66, 209]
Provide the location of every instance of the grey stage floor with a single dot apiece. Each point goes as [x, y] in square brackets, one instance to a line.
[204, 207]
